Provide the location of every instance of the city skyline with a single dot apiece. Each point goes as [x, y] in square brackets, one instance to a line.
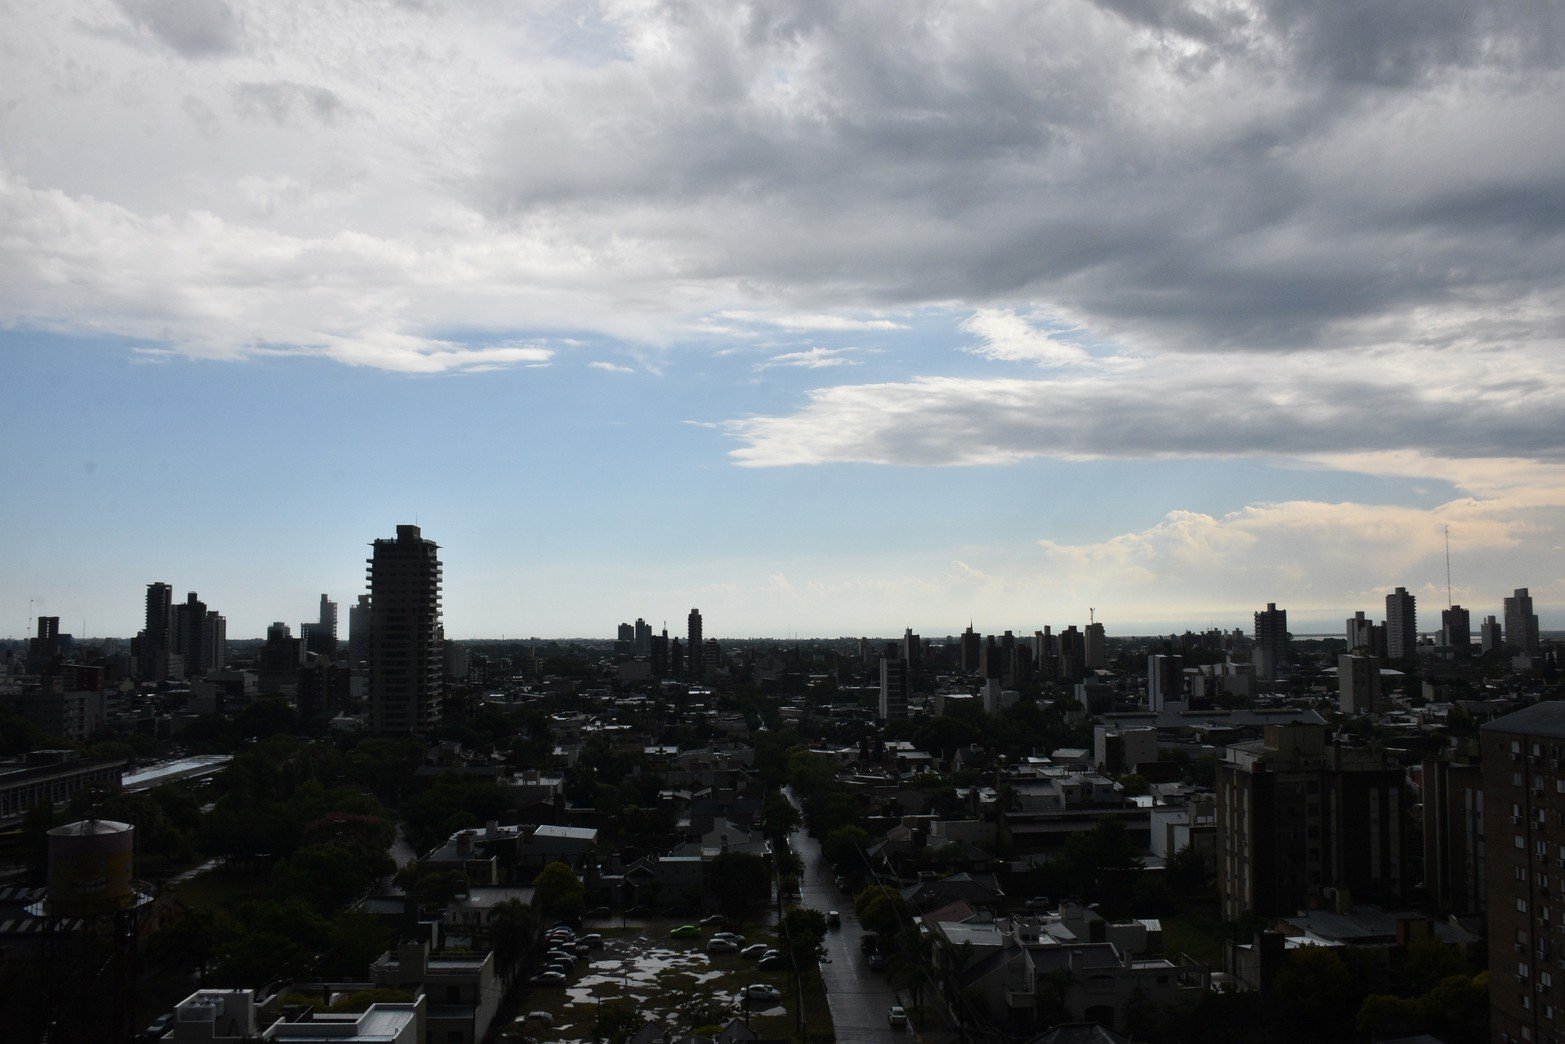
[1166, 311]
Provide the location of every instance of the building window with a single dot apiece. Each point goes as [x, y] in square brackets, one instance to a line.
[1521, 906]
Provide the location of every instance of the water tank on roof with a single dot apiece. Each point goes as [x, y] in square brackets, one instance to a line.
[90, 866]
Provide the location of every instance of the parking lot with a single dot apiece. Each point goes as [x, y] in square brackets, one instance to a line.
[642, 967]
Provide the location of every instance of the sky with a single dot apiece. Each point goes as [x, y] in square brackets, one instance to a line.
[828, 318]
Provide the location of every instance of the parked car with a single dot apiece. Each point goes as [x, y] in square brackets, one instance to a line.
[160, 1025]
[833, 919]
[550, 978]
[762, 992]
[538, 1018]
[600, 912]
[733, 937]
[713, 921]
[755, 951]
[686, 931]
[721, 946]
[773, 962]
[592, 940]
[897, 1016]
[877, 962]
[558, 966]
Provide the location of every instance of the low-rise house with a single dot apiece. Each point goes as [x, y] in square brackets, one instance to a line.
[461, 990]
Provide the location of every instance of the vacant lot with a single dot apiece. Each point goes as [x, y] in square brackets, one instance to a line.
[672, 980]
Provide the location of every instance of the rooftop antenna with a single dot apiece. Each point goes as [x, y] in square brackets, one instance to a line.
[1448, 600]
[1091, 616]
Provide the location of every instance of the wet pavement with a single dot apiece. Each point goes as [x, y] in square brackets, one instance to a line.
[859, 997]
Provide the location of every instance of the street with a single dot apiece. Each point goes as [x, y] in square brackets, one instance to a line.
[859, 998]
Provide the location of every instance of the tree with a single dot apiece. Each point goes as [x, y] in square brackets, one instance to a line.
[194, 939]
[513, 925]
[1315, 990]
[844, 848]
[803, 930]
[560, 893]
[739, 881]
[881, 910]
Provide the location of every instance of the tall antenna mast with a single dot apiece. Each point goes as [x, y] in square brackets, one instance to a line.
[1448, 600]
[1091, 615]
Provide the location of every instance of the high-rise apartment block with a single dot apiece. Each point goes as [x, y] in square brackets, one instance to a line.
[1358, 684]
[1490, 636]
[1524, 867]
[155, 655]
[1096, 646]
[893, 686]
[1298, 818]
[1272, 641]
[1456, 631]
[693, 642]
[1401, 624]
[1521, 623]
[1165, 681]
[406, 655]
[1454, 830]
[1365, 636]
[359, 631]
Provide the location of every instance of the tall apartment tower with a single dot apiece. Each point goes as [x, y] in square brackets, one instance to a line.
[406, 655]
[1097, 653]
[1272, 648]
[359, 631]
[1401, 624]
[642, 637]
[893, 687]
[1165, 681]
[157, 639]
[972, 649]
[1521, 623]
[1489, 635]
[1297, 816]
[1358, 684]
[1456, 631]
[693, 642]
[1524, 866]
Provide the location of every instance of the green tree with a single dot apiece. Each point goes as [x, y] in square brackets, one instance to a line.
[803, 930]
[513, 925]
[1315, 990]
[559, 892]
[882, 910]
[844, 848]
[739, 881]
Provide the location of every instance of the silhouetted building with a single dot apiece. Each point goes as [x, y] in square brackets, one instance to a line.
[1401, 624]
[1358, 684]
[156, 650]
[1298, 819]
[406, 658]
[1165, 681]
[281, 658]
[359, 623]
[1095, 647]
[1272, 642]
[1521, 623]
[972, 650]
[1454, 833]
[693, 641]
[893, 688]
[1490, 635]
[1524, 866]
[1456, 631]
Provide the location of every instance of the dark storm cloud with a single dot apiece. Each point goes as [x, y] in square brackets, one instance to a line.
[194, 28]
[1177, 175]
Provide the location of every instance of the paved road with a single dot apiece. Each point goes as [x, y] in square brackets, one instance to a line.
[858, 997]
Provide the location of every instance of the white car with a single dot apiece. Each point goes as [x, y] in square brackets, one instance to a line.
[762, 992]
[897, 1016]
[721, 946]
